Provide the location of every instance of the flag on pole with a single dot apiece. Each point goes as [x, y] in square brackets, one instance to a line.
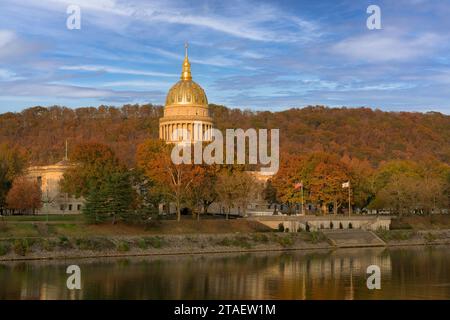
[298, 185]
[346, 184]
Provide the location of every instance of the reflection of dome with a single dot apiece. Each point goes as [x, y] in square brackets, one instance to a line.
[186, 108]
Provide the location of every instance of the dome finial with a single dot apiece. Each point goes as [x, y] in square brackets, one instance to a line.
[186, 73]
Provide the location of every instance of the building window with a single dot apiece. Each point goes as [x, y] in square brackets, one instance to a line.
[79, 207]
[39, 181]
[70, 207]
[61, 207]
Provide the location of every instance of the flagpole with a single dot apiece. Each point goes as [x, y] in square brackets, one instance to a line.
[303, 206]
[349, 200]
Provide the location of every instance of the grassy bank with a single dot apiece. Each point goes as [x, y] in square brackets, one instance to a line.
[31, 229]
[63, 246]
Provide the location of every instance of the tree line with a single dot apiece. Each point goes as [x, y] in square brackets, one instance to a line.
[394, 161]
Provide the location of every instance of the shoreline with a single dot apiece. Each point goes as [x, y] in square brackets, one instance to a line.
[186, 250]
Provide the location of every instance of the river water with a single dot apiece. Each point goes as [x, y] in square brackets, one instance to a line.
[406, 273]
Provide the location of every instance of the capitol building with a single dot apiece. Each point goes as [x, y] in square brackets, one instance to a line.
[186, 119]
[186, 113]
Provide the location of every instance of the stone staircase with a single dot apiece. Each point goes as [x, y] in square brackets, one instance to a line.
[350, 238]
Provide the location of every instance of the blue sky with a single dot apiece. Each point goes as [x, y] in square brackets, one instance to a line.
[261, 55]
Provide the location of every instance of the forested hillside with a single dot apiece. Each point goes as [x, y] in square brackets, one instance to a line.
[361, 133]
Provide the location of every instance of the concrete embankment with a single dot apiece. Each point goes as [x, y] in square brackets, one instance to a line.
[123, 246]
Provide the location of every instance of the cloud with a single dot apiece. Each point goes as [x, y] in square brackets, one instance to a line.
[246, 20]
[7, 75]
[107, 69]
[70, 91]
[12, 47]
[383, 46]
[218, 61]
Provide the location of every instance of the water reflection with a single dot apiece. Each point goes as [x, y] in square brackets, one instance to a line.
[408, 273]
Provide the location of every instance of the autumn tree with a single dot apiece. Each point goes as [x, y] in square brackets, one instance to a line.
[92, 163]
[203, 189]
[105, 183]
[12, 163]
[24, 196]
[325, 181]
[171, 180]
[235, 187]
[399, 194]
[291, 171]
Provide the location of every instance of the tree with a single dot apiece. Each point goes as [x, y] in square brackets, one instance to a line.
[203, 189]
[400, 194]
[290, 172]
[322, 176]
[235, 187]
[113, 199]
[12, 163]
[98, 176]
[24, 195]
[93, 163]
[270, 193]
[173, 181]
[95, 209]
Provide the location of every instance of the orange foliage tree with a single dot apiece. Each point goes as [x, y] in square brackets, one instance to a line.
[24, 196]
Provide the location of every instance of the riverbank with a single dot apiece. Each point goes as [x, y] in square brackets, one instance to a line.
[64, 247]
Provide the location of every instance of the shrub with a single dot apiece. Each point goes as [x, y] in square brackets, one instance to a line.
[94, 244]
[47, 245]
[154, 242]
[21, 247]
[4, 249]
[258, 237]
[316, 236]
[142, 244]
[285, 241]
[123, 246]
[281, 227]
[429, 237]
[64, 242]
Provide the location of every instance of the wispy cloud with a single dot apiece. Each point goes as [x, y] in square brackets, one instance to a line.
[386, 46]
[116, 70]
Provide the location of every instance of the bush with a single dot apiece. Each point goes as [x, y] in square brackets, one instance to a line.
[123, 246]
[47, 245]
[21, 247]
[429, 237]
[154, 242]
[4, 249]
[316, 236]
[281, 227]
[285, 241]
[236, 242]
[258, 237]
[94, 244]
[64, 242]
[142, 244]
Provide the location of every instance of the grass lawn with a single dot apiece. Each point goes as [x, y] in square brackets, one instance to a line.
[54, 217]
[21, 228]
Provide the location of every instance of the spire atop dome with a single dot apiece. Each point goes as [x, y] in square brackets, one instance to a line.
[186, 73]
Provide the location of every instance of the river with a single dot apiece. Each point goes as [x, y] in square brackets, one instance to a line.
[406, 273]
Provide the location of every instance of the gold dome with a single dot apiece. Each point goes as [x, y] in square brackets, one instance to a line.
[186, 110]
[186, 91]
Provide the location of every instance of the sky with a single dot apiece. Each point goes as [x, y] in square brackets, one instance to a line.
[258, 55]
